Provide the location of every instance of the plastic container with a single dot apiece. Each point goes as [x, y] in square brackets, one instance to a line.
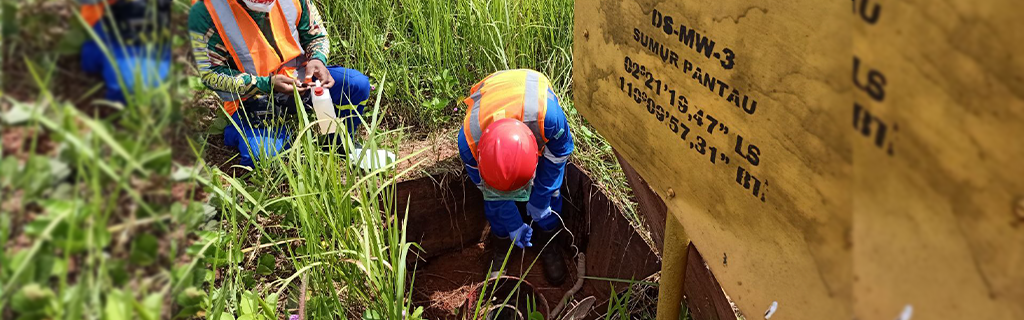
[370, 159]
[323, 106]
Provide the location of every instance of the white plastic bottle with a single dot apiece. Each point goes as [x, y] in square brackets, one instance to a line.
[324, 108]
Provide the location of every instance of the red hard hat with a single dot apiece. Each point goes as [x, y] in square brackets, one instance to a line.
[507, 155]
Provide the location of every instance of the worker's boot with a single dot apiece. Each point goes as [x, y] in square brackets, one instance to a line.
[499, 248]
[554, 263]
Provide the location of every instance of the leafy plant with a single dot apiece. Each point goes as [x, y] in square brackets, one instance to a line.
[342, 212]
[94, 203]
[144, 249]
[436, 50]
[191, 301]
[34, 301]
[252, 307]
[266, 265]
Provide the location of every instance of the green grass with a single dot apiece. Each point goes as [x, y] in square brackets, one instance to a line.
[350, 254]
[305, 231]
[95, 209]
[87, 206]
[351, 251]
[434, 51]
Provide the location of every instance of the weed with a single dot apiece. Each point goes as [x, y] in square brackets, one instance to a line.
[92, 213]
[435, 50]
[351, 247]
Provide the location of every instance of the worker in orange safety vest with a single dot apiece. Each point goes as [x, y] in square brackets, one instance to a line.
[515, 143]
[254, 54]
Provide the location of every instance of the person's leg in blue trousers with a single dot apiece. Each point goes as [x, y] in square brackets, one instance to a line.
[92, 56]
[350, 93]
[499, 214]
[138, 66]
[254, 143]
[151, 67]
[553, 221]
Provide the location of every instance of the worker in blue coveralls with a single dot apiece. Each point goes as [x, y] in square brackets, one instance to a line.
[515, 143]
[135, 33]
[255, 54]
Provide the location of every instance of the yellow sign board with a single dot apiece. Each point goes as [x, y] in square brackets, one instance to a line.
[810, 194]
[937, 229]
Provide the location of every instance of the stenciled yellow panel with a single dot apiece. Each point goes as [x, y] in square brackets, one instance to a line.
[738, 114]
[938, 110]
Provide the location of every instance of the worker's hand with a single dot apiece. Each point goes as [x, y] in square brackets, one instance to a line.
[286, 84]
[521, 236]
[317, 68]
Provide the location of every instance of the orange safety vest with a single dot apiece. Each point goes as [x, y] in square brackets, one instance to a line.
[92, 10]
[250, 50]
[520, 94]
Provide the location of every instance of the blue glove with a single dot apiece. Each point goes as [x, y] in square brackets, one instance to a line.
[521, 236]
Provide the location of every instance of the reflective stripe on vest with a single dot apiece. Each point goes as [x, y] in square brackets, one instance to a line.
[291, 13]
[518, 94]
[531, 107]
[249, 48]
[474, 120]
[233, 34]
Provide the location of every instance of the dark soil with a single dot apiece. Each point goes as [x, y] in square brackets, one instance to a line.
[444, 283]
[17, 141]
[440, 154]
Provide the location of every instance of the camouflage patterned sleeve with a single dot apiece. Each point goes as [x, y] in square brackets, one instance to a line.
[312, 33]
[213, 60]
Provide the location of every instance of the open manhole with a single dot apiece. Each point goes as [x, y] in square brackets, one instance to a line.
[446, 218]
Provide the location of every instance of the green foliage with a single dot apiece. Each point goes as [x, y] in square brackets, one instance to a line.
[62, 225]
[618, 305]
[8, 20]
[417, 314]
[266, 265]
[34, 301]
[122, 306]
[36, 178]
[100, 179]
[193, 214]
[532, 312]
[436, 50]
[253, 307]
[144, 249]
[191, 302]
[117, 270]
[216, 249]
[39, 25]
[191, 296]
[344, 213]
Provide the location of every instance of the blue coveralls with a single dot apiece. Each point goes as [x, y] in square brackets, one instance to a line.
[545, 197]
[135, 62]
[255, 142]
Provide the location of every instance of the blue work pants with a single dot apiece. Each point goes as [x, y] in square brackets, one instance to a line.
[257, 140]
